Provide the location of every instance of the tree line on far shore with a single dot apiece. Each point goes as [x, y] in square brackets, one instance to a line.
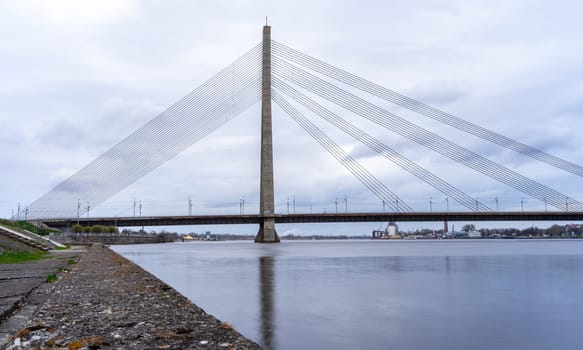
[94, 229]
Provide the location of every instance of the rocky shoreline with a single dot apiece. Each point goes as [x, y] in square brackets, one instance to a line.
[108, 302]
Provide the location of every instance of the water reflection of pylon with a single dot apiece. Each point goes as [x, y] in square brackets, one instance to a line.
[266, 286]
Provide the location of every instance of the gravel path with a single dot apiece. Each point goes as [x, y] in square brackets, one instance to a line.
[108, 302]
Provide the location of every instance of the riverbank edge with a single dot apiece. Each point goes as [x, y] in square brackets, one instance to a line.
[107, 301]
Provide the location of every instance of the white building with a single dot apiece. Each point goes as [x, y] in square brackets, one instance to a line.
[474, 234]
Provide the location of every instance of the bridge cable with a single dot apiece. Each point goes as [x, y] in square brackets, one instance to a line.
[369, 180]
[413, 124]
[240, 103]
[429, 144]
[376, 145]
[421, 108]
[130, 152]
[545, 196]
[421, 136]
[206, 108]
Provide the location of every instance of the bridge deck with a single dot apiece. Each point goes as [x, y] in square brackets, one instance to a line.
[319, 218]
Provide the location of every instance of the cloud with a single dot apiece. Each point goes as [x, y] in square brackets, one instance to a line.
[117, 118]
[570, 102]
[75, 13]
[438, 93]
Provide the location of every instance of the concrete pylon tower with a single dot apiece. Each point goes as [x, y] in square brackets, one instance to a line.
[266, 232]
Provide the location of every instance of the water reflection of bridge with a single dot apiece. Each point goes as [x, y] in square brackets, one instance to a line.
[266, 295]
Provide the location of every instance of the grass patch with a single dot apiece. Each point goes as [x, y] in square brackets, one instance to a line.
[51, 278]
[20, 257]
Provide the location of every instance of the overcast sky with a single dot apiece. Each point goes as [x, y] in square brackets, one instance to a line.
[79, 76]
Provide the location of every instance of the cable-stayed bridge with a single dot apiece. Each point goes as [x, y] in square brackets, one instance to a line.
[301, 85]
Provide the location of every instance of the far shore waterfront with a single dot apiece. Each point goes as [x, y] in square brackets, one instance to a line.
[467, 231]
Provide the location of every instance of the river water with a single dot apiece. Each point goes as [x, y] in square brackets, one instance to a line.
[451, 294]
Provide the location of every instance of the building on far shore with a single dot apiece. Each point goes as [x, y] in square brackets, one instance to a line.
[474, 234]
[390, 232]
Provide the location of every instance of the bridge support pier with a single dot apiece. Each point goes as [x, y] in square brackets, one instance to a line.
[267, 233]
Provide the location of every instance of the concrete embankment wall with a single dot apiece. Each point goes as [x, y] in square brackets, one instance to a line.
[104, 238]
[7, 243]
[107, 301]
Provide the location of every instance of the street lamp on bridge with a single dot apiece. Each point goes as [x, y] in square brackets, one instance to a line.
[340, 200]
[567, 204]
[242, 206]
[293, 204]
[78, 209]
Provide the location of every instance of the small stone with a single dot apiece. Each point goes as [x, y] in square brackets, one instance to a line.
[203, 342]
[224, 345]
